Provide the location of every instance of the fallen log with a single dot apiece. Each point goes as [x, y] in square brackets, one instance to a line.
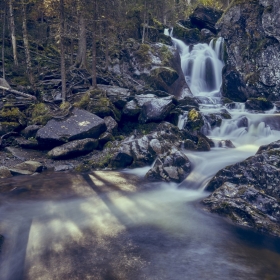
[18, 92]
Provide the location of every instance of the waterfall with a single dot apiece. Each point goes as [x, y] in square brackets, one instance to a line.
[202, 66]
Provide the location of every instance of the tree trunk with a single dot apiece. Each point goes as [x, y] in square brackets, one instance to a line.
[94, 83]
[106, 45]
[81, 60]
[144, 23]
[62, 50]
[3, 41]
[13, 33]
[26, 46]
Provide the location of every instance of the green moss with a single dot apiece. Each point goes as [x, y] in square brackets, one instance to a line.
[252, 78]
[165, 55]
[143, 53]
[195, 120]
[12, 115]
[40, 114]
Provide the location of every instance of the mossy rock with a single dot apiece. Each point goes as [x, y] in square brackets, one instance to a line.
[143, 53]
[203, 145]
[163, 77]
[188, 35]
[39, 114]
[259, 103]
[6, 127]
[12, 115]
[96, 102]
[195, 120]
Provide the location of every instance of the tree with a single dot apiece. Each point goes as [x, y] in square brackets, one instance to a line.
[3, 38]
[26, 45]
[62, 49]
[12, 30]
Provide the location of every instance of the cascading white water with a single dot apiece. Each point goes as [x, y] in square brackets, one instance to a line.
[202, 66]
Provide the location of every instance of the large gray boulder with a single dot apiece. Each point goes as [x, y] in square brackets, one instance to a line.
[156, 110]
[73, 149]
[80, 125]
[248, 192]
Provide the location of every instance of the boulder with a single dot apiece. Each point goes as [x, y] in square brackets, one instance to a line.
[30, 131]
[205, 17]
[226, 144]
[104, 138]
[131, 109]
[175, 167]
[248, 192]
[156, 110]
[186, 34]
[80, 125]
[258, 104]
[123, 158]
[118, 96]
[27, 143]
[195, 120]
[111, 124]
[30, 165]
[5, 172]
[73, 148]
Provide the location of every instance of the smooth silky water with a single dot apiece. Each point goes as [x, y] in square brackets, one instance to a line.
[70, 226]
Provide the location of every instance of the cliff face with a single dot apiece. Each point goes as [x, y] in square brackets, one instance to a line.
[251, 30]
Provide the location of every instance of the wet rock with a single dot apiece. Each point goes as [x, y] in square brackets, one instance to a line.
[248, 192]
[203, 145]
[190, 145]
[156, 110]
[188, 102]
[17, 172]
[104, 138]
[205, 17]
[80, 125]
[186, 34]
[164, 75]
[63, 167]
[258, 104]
[195, 120]
[30, 165]
[131, 109]
[4, 173]
[30, 131]
[226, 144]
[118, 96]
[242, 122]
[73, 149]
[123, 157]
[175, 167]
[111, 124]
[27, 144]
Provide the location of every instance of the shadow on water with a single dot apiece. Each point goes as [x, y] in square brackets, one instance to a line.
[90, 226]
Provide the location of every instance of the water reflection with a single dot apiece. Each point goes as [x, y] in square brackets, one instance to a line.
[68, 226]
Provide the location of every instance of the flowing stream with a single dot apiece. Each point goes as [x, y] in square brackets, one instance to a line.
[69, 226]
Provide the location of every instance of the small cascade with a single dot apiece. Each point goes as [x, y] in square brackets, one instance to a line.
[202, 66]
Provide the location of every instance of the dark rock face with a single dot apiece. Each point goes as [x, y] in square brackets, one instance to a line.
[251, 32]
[81, 124]
[205, 17]
[248, 192]
[73, 149]
[111, 124]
